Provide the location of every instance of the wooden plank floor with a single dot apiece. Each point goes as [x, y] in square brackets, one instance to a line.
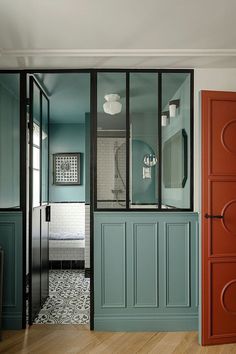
[72, 339]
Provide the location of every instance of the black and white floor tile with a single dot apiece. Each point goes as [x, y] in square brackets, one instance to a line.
[69, 300]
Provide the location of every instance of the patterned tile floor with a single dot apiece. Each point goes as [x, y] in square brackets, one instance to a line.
[68, 301]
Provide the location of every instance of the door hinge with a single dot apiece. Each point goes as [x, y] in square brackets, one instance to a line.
[48, 213]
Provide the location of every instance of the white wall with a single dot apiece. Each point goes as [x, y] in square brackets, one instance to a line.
[214, 80]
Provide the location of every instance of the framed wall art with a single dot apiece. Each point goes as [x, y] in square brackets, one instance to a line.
[66, 169]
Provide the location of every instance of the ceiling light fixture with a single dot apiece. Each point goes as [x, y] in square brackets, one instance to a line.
[112, 105]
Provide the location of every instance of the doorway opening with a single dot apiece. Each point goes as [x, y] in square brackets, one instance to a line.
[58, 239]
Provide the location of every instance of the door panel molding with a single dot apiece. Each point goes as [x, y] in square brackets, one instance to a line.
[145, 274]
[183, 237]
[218, 190]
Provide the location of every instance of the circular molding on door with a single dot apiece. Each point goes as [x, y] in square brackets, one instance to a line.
[229, 219]
[228, 296]
[228, 136]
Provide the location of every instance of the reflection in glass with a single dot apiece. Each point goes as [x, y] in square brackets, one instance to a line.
[144, 140]
[159, 142]
[36, 189]
[111, 140]
[36, 158]
[36, 134]
[36, 146]
[176, 141]
[9, 141]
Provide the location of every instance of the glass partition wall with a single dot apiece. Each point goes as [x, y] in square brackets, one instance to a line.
[9, 140]
[111, 140]
[176, 138]
[144, 140]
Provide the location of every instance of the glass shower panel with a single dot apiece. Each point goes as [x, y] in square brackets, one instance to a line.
[44, 150]
[36, 145]
[176, 148]
[111, 140]
[144, 157]
[9, 140]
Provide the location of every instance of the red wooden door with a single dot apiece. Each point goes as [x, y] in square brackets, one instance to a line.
[218, 217]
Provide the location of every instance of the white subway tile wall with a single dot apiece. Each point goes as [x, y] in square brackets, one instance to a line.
[67, 217]
[111, 153]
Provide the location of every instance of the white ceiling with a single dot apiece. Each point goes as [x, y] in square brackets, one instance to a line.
[117, 34]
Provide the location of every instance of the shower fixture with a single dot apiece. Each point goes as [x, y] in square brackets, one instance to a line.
[112, 105]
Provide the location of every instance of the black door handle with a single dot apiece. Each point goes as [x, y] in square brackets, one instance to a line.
[48, 213]
[213, 216]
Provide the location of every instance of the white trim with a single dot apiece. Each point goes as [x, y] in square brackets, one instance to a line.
[118, 52]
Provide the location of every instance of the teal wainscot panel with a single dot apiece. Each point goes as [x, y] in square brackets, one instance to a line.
[145, 271]
[11, 243]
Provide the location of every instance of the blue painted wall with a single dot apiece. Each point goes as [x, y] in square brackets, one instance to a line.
[146, 271]
[67, 138]
[11, 242]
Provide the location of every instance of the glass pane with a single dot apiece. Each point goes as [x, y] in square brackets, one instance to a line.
[36, 158]
[44, 150]
[36, 115]
[111, 140]
[36, 145]
[36, 134]
[176, 140]
[9, 141]
[36, 188]
[144, 140]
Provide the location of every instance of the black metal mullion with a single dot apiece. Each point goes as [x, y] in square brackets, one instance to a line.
[48, 126]
[159, 141]
[93, 183]
[94, 135]
[23, 185]
[191, 140]
[30, 192]
[127, 140]
[40, 184]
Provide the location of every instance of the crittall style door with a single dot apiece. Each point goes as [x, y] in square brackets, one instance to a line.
[38, 197]
[218, 217]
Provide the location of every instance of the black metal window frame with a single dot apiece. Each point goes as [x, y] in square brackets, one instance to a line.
[22, 132]
[127, 208]
[93, 163]
[93, 110]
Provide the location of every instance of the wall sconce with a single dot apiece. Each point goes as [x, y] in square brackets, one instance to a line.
[165, 119]
[173, 105]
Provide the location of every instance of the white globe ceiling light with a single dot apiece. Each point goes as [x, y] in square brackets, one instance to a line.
[112, 105]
